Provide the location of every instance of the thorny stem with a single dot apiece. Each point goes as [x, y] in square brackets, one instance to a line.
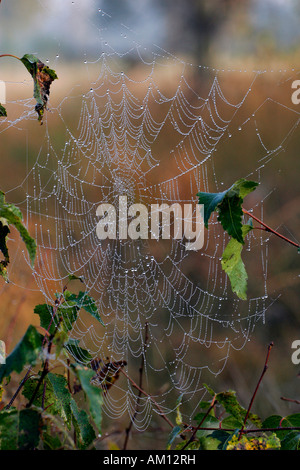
[141, 370]
[255, 391]
[269, 229]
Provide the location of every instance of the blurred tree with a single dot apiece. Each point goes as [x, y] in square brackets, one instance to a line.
[192, 27]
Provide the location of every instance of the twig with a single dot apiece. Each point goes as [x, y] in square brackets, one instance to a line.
[141, 370]
[10, 55]
[148, 396]
[255, 391]
[18, 389]
[50, 343]
[291, 400]
[269, 229]
[200, 424]
[247, 431]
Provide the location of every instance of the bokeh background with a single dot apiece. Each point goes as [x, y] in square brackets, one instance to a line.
[253, 34]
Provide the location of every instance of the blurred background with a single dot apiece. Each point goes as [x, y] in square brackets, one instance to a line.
[253, 34]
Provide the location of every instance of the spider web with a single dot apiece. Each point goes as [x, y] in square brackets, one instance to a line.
[146, 124]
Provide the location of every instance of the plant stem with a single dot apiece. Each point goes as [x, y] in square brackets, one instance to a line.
[10, 55]
[151, 398]
[255, 391]
[141, 370]
[18, 389]
[269, 229]
[200, 424]
[291, 400]
[50, 342]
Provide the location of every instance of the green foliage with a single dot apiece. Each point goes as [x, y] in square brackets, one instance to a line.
[223, 427]
[52, 418]
[233, 264]
[3, 112]
[228, 205]
[26, 352]
[20, 429]
[11, 215]
[92, 392]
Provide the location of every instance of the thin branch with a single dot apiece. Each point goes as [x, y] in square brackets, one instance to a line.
[200, 424]
[256, 389]
[10, 55]
[148, 396]
[290, 400]
[18, 389]
[248, 431]
[141, 370]
[50, 343]
[269, 229]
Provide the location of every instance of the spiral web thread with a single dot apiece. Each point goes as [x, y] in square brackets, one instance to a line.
[153, 131]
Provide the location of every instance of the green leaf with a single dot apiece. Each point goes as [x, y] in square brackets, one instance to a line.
[231, 422]
[45, 313]
[209, 422]
[68, 311]
[94, 394]
[210, 202]
[51, 442]
[62, 396]
[243, 187]
[26, 352]
[79, 354]
[230, 216]
[4, 231]
[3, 112]
[174, 433]
[210, 443]
[54, 397]
[83, 300]
[43, 77]
[84, 431]
[229, 206]
[73, 277]
[12, 215]
[178, 412]
[231, 405]
[233, 265]
[291, 441]
[20, 430]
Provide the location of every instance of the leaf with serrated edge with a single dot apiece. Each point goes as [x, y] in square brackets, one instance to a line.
[230, 216]
[212, 201]
[94, 394]
[84, 431]
[234, 267]
[25, 352]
